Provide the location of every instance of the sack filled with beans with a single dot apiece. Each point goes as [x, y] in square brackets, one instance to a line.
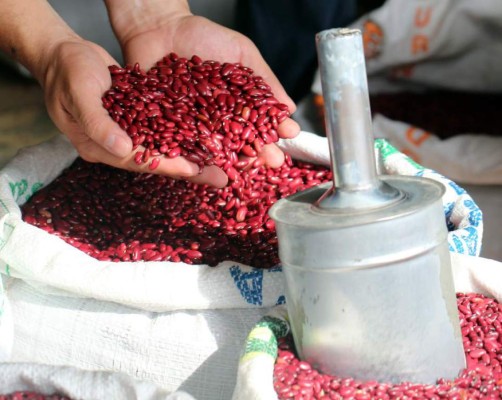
[157, 277]
[270, 368]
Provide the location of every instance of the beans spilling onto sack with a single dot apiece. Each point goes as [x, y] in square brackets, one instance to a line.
[481, 326]
[210, 113]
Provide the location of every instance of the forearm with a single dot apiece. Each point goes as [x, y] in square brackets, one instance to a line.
[29, 29]
[130, 18]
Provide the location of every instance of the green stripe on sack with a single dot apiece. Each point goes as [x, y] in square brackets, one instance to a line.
[386, 150]
[262, 340]
[20, 188]
[2, 241]
[4, 205]
[278, 326]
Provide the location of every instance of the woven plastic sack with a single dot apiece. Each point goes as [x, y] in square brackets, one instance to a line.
[6, 326]
[256, 366]
[465, 158]
[180, 326]
[470, 272]
[33, 255]
[79, 384]
[451, 44]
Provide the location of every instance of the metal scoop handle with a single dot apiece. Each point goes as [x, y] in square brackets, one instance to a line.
[348, 124]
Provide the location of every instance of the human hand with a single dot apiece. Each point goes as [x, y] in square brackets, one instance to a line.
[156, 29]
[76, 77]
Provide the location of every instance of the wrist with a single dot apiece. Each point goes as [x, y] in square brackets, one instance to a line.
[29, 31]
[47, 53]
[132, 18]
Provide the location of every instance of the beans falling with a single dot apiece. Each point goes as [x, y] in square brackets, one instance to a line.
[481, 326]
[205, 111]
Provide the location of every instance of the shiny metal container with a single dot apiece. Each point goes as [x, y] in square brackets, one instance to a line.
[369, 287]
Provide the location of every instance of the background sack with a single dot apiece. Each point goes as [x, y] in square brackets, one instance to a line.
[451, 44]
[436, 44]
[177, 325]
[475, 159]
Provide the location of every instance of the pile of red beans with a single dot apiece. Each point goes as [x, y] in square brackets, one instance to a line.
[211, 114]
[31, 396]
[205, 111]
[116, 215]
[481, 326]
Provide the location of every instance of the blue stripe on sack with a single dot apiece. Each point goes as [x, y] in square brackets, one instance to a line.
[448, 209]
[466, 240]
[457, 188]
[250, 284]
[456, 244]
[461, 240]
[475, 214]
[471, 240]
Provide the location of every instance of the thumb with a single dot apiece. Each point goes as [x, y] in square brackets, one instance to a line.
[95, 121]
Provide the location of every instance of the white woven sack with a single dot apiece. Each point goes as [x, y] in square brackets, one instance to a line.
[31, 254]
[194, 351]
[6, 325]
[256, 366]
[79, 384]
[451, 44]
[194, 343]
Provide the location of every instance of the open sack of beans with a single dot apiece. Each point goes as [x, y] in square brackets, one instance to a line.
[270, 368]
[158, 278]
[179, 325]
[435, 84]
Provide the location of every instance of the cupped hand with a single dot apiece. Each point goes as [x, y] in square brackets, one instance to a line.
[186, 35]
[74, 82]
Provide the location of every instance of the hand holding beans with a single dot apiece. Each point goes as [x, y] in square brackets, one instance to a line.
[76, 78]
[174, 29]
[74, 74]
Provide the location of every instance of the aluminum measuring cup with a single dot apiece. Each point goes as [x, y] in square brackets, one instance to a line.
[369, 287]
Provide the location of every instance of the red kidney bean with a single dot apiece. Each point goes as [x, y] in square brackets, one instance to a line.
[482, 379]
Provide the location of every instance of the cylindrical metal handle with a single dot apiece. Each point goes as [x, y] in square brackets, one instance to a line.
[348, 122]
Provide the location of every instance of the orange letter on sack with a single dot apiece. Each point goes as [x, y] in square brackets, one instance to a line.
[423, 17]
[417, 140]
[419, 44]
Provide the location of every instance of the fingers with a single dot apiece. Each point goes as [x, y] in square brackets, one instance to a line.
[92, 117]
[288, 129]
[211, 175]
[252, 57]
[272, 155]
[177, 167]
[146, 52]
